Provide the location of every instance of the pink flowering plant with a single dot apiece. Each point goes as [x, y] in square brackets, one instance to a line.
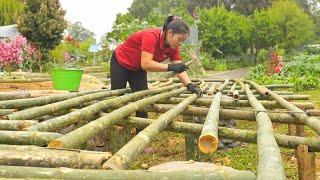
[15, 51]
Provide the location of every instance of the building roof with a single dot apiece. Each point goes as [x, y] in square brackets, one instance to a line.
[8, 31]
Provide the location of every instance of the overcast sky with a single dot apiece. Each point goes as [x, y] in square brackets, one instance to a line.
[95, 15]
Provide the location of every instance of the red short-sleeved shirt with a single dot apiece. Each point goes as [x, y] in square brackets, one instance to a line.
[149, 40]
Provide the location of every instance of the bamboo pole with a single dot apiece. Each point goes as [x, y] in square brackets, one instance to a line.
[263, 91]
[72, 140]
[233, 88]
[313, 112]
[285, 141]
[208, 140]
[300, 115]
[27, 138]
[155, 83]
[223, 173]
[123, 158]
[276, 86]
[13, 95]
[212, 89]
[235, 95]
[90, 111]
[35, 112]
[241, 103]
[221, 87]
[267, 145]
[242, 92]
[241, 84]
[16, 125]
[29, 102]
[169, 82]
[259, 97]
[24, 80]
[13, 155]
[4, 112]
[276, 117]
[287, 97]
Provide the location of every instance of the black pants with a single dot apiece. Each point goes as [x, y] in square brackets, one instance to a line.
[120, 76]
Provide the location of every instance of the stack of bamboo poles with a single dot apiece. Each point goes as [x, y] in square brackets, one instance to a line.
[27, 123]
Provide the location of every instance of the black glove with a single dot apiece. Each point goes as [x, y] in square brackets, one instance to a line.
[177, 67]
[194, 88]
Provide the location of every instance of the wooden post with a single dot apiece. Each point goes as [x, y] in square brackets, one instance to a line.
[306, 163]
[305, 160]
[189, 141]
[118, 136]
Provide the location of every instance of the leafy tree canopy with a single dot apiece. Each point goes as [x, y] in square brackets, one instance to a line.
[79, 33]
[43, 23]
[296, 27]
[220, 30]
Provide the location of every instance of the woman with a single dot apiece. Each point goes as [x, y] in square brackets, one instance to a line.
[144, 50]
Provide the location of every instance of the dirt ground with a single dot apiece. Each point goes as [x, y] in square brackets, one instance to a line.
[238, 73]
[88, 82]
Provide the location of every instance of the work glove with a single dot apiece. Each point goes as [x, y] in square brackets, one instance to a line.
[194, 88]
[177, 67]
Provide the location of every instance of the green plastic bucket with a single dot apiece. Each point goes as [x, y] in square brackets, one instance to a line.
[66, 79]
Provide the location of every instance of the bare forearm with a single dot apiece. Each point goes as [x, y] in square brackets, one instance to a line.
[184, 78]
[154, 66]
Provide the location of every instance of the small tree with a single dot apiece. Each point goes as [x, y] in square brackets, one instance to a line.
[224, 31]
[43, 24]
[79, 33]
[264, 30]
[296, 27]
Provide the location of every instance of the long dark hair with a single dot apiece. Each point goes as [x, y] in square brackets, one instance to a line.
[176, 24]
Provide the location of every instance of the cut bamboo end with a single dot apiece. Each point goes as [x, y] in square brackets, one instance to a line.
[236, 97]
[55, 144]
[208, 144]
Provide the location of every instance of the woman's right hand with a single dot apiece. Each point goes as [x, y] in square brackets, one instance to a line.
[177, 67]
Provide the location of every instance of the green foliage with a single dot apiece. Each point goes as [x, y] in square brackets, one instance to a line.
[124, 26]
[264, 30]
[262, 55]
[10, 11]
[79, 33]
[79, 55]
[224, 31]
[43, 23]
[303, 71]
[296, 27]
